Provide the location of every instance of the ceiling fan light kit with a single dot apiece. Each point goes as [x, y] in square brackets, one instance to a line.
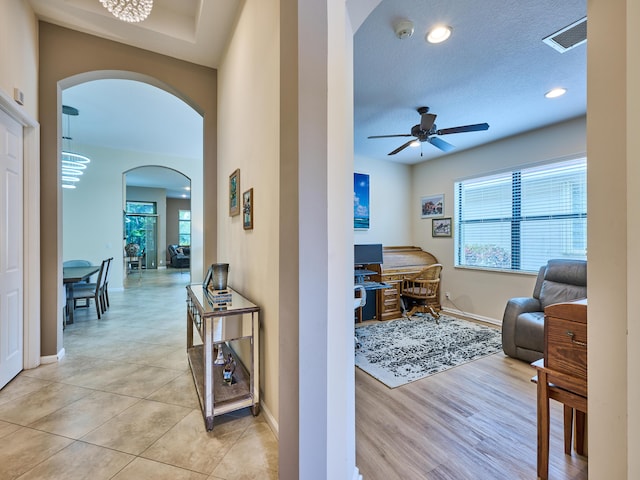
[131, 11]
[427, 131]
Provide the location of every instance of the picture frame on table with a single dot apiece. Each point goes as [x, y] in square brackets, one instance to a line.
[234, 193]
[432, 206]
[207, 278]
[247, 209]
[441, 227]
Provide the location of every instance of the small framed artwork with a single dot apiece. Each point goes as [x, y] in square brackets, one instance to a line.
[247, 209]
[441, 227]
[234, 193]
[432, 206]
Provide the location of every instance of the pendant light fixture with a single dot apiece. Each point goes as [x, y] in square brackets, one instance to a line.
[131, 11]
[73, 164]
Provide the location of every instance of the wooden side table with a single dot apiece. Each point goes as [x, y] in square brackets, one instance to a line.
[562, 376]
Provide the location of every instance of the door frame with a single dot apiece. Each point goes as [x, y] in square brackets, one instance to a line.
[31, 229]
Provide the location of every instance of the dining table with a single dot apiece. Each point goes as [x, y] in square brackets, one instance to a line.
[71, 276]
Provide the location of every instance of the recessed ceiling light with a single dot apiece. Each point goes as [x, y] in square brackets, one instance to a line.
[438, 34]
[556, 92]
[415, 143]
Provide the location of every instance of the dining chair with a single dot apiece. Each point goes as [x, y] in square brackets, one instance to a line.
[88, 291]
[105, 290]
[77, 263]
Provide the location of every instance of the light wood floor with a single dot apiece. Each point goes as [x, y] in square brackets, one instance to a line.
[476, 421]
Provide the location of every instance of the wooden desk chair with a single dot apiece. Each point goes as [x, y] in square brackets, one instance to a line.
[421, 289]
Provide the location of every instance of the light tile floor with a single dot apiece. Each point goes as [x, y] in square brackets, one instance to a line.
[121, 404]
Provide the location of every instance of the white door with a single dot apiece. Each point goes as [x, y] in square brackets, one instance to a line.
[11, 250]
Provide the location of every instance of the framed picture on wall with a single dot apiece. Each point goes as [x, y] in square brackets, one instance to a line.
[247, 209]
[234, 193]
[441, 227]
[360, 201]
[432, 206]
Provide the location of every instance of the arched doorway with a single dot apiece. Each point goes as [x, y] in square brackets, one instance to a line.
[157, 216]
[124, 125]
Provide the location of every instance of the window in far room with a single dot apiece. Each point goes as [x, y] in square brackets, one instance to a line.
[517, 220]
[184, 228]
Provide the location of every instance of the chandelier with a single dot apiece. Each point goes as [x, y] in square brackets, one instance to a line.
[72, 164]
[131, 11]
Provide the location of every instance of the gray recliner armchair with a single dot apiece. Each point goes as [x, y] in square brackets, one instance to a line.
[523, 321]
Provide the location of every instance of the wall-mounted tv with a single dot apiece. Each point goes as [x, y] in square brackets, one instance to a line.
[367, 254]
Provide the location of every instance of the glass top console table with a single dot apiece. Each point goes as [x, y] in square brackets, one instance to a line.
[219, 325]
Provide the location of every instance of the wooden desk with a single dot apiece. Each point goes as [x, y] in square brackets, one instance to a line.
[562, 376]
[71, 276]
[399, 262]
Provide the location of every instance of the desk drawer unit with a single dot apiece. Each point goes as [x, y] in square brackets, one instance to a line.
[389, 302]
[565, 338]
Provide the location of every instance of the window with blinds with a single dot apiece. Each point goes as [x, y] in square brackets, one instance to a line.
[520, 219]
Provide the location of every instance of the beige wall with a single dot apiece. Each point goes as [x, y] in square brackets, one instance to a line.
[19, 52]
[633, 245]
[248, 119]
[68, 57]
[614, 191]
[481, 293]
[390, 195]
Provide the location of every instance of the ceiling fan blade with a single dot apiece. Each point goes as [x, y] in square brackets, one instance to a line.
[389, 136]
[426, 121]
[441, 144]
[401, 147]
[464, 128]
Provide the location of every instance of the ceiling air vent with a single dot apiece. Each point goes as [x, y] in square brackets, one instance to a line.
[569, 37]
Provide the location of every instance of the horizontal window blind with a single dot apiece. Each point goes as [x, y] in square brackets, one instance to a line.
[518, 220]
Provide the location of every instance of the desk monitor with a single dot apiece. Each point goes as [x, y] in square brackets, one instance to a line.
[367, 254]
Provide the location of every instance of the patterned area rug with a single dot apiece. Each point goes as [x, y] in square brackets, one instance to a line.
[402, 351]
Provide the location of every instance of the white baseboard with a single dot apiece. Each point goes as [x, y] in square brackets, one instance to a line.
[52, 358]
[271, 421]
[479, 318]
[356, 474]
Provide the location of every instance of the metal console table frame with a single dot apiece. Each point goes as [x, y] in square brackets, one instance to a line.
[217, 325]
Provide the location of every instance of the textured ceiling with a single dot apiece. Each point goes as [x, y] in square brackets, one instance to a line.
[494, 68]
